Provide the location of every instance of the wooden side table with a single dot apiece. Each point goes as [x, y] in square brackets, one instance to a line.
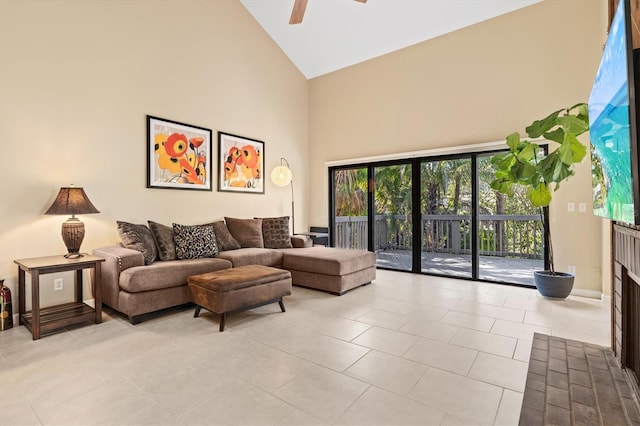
[42, 320]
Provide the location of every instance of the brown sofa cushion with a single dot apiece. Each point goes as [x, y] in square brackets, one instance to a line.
[275, 232]
[167, 274]
[253, 256]
[248, 232]
[163, 236]
[138, 237]
[224, 237]
[194, 242]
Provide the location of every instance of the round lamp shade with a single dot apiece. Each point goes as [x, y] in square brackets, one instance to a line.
[281, 176]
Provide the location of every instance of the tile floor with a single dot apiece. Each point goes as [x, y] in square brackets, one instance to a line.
[408, 349]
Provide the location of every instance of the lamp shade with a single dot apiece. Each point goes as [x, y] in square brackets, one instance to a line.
[281, 176]
[71, 201]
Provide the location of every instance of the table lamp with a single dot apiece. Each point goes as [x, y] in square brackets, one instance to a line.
[72, 201]
[282, 176]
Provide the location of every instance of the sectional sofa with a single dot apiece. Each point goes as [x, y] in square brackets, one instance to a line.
[148, 270]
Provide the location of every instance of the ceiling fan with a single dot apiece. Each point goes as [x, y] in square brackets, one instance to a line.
[298, 10]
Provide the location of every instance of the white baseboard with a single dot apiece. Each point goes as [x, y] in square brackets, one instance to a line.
[591, 294]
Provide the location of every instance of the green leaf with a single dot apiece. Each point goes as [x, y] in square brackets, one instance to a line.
[556, 135]
[540, 127]
[539, 197]
[573, 124]
[528, 152]
[577, 148]
[566, 155]
[513, 141]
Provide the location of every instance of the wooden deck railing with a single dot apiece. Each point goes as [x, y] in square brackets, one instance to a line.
[498, 235]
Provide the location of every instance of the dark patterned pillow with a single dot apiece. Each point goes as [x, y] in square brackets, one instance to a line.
[275, 231]
[163, 236]
[194, 242]
[248, 232]
[138, 237]
[223, 237]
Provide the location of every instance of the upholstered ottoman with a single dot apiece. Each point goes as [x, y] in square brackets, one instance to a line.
[335, 270]
[240, 288]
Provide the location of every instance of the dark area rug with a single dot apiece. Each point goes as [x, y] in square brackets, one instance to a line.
[576, 383]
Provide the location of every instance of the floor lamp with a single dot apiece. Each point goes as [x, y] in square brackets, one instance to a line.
[281, 176]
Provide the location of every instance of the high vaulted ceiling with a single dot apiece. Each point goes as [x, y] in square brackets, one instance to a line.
[338, 33]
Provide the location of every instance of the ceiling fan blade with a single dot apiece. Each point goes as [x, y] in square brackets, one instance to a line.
[362, 1]
[298, 11]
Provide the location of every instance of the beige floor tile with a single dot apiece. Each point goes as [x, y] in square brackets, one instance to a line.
[474, 322]
[523, 350]
[532, 303]
[444, 356]
[461, 396]
[451, 420]
[300, 418]
[341, 328]
[485, 342]
[509, 411]
[322, 393]
[115, 402]
[518, 330]
[505, 372]
[17, 414]
[430, 329]
[238, 403]
[387, 372]
[331, 353]
[498, 312]
[384, 319]
[180, 393]
[271, 369]
[537, 318]
[424, 312]
[379, 407]
[385, 340]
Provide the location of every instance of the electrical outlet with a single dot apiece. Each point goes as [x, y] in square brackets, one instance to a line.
[571, 207]
[58, 284]
[571, 269]
[582, 207]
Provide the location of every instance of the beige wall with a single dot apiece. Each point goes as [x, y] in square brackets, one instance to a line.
[474, 85]
[77, 79]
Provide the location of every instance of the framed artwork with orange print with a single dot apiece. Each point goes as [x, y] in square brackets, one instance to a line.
[178, 155]
[241, 164]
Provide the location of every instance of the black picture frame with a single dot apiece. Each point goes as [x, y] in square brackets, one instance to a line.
[240, 164]
[179, 155]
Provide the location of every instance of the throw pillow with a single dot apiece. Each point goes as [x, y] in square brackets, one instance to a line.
[194, 242]
[223, 237]
[138, 237]
[163, 236]
[275, 231]
[248, 232]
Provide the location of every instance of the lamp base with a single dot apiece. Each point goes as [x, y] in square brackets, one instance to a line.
[72, 235]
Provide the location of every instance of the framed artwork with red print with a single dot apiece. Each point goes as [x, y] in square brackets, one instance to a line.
[241, 164]
[178, 155]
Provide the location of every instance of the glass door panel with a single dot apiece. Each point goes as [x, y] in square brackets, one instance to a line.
[510, 236]
[351, 208]
[445, 206]
[392, 232]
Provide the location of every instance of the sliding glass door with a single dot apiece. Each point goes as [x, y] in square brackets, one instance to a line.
[392, 225]
[445, 205]
[350, 208]
[437, 216]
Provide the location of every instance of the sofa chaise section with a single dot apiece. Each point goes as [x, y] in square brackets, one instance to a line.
[335, 270]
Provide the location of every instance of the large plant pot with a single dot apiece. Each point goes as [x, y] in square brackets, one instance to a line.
[557, 286]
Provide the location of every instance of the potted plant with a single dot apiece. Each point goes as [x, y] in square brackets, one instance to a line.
[527, 165]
